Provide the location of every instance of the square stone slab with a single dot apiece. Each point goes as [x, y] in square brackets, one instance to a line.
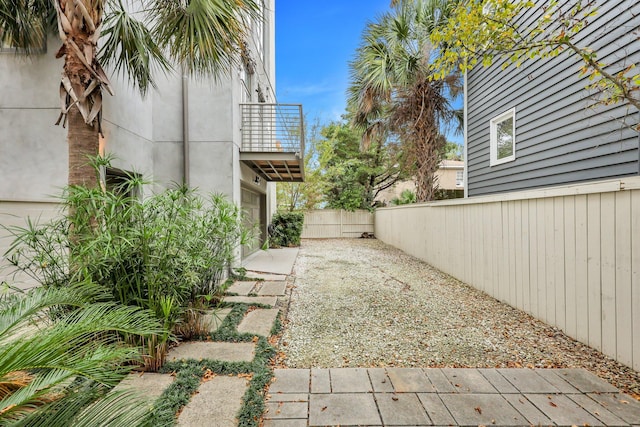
[401, 409]
[242, 288]
[320, 381]
[482, 409]
[216, 403]
[286, 410]
[290, 381]
[272, 289]
[407, 380]
[227, 351]
[258, 322]
[468, 381]
[350, 380]
[440, 381]
[348, 409]
[528, 410]
[499, 382]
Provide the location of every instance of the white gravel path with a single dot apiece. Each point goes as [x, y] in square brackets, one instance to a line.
[361, 303]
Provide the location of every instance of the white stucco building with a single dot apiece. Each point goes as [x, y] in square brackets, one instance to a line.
[228, 136]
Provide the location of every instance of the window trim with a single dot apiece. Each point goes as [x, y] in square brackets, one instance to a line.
[493, 140]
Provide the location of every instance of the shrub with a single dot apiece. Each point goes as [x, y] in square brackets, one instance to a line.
[286, 229]
[164, 253]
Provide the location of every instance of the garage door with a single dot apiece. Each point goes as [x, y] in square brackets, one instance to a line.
[252, 206]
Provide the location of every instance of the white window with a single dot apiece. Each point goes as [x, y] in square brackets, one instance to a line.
[503, 138]
[459, 178]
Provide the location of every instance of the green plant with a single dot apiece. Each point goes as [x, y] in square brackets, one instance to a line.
[164, 253]
[407, 197]
[286, 229]
[60, 354]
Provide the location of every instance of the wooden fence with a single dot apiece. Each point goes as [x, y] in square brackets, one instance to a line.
[569, 256]
[330, 223]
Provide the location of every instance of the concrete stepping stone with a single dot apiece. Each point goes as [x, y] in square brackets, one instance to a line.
[148, 384]
[214, 318]
[216, 404]
[272, 289]
[242, 287]
[290, 381]
[253, 300]
[227, 351]
[259, 322]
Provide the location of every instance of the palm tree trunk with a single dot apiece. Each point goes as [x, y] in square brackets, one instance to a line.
[83, 143]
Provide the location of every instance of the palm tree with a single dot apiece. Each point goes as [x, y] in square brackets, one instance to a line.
[202, 36]
[60, 354]
[392, 89]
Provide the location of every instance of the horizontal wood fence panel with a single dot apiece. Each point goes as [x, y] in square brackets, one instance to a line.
[572, 261]
[332, 223]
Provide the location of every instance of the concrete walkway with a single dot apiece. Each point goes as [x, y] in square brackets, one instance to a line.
[273, 262]
[461, 397]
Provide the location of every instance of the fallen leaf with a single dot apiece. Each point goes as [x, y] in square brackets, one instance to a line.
[478, 410]
[394, 398]
[324, 408]
[553, 404]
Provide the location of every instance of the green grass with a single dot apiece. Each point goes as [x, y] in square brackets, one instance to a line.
[190, 372]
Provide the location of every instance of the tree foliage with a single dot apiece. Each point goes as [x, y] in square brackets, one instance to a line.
[481, 31]
[392, 89]
[353, 176]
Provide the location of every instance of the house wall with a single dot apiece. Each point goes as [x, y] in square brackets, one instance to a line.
[569, 256]
[559, 138]
[33, 151]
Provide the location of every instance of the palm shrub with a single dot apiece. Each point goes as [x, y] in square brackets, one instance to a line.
[286, 229]
[164, 253]
[61, 353]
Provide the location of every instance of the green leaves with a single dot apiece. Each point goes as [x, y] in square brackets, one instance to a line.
[203, 35]
[130, 48]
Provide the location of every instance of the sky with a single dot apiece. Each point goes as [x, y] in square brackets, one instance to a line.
[314, 43]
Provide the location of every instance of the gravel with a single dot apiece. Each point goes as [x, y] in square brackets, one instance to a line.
[361, 303]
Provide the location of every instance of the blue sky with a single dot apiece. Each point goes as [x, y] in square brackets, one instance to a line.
[314, 43]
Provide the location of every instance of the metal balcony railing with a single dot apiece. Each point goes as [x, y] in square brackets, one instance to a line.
[272, 128]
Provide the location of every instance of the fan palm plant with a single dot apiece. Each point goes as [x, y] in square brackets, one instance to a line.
[393, 90]
[60, 354]
[138, 37]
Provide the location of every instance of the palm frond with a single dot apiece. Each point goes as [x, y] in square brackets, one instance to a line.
[204, 36]
[129, 47]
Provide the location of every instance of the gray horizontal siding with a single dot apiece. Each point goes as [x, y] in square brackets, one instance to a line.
[560, 137]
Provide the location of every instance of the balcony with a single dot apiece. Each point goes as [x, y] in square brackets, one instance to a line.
[273, 141]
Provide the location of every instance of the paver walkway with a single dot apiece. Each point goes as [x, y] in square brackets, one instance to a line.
[463, 397]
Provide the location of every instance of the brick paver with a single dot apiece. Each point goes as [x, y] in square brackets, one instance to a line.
[428, 397]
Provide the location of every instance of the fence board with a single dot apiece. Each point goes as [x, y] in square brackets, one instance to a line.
[570, 265]
[593, 268]
[624, 336]
[635, 277]
[332, 223]
[581, 271]
[608, 272]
